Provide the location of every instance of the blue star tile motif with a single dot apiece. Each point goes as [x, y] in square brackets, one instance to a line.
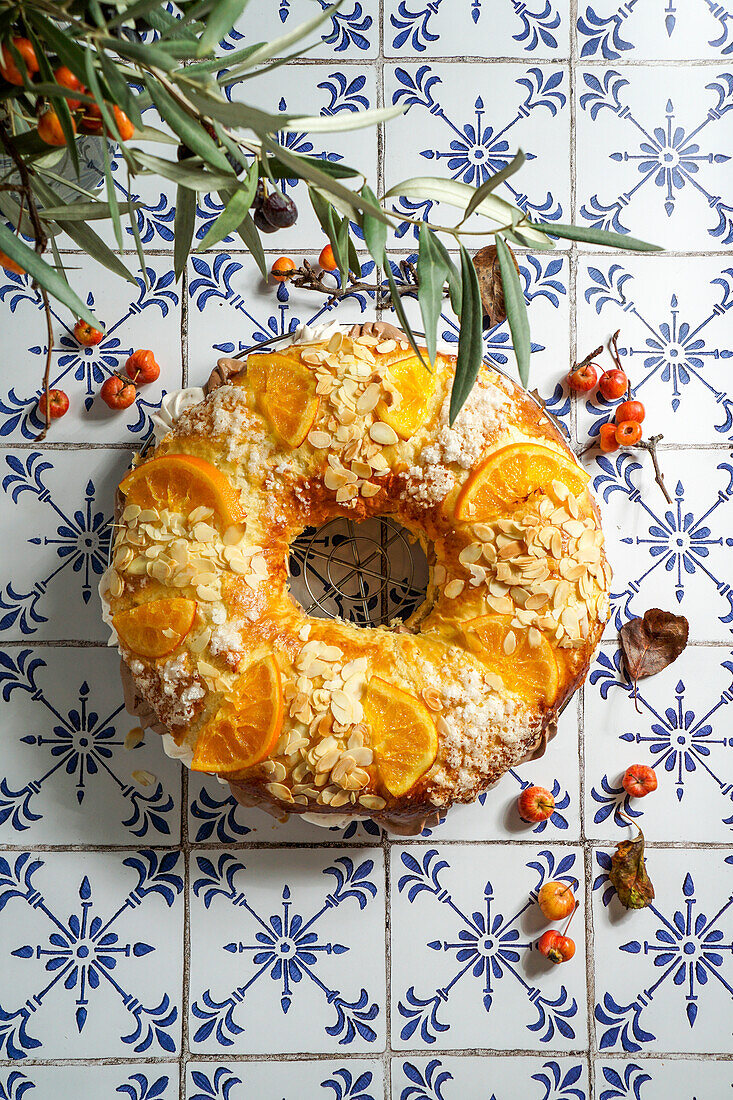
[349, 31]
[502, 28]
[682, 961]
[293, 954]
[359, 1080]
[609, 30]
[86, 964]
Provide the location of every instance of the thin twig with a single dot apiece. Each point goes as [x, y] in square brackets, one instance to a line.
[650, 445]
[47, 370]
[308, 277]
[41, 240]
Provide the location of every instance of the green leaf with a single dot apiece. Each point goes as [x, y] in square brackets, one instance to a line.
[236, 114]
[143, 52]
[234, 212]
[82, 211]
[333, 169]
[69, 52]
[324, 212]
[343, 121]
[231, 58]
[280, 45]
[114, 206]
[189, 131]
[455, 282]
[432, 273]
[516, 309]
[94, 87]
[354, 261]
[374, 229]
[341, 250]
[470, 344]
[220, 21]
[120, 90]
[138, 241]
[401, 315]
[58, 102]
[248, 232]
[183, 227]
[44, 275]
[184, 172]
[493, 182]
[597, 236]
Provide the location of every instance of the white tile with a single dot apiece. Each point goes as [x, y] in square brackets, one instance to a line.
[480, 28]
[92, 954]
[231, 307]
[664, 974]
[680, 728]
[58, 505]
[287, 951]
[134, 1081]
[351, 1079]
[66, 776]
[671, 556]
[658, 1078]
[350, 33]
[467, 122]
[652, 154]
[675, 342]
[502, 1078]
[135, 316]
[611, 29]
[465, 969]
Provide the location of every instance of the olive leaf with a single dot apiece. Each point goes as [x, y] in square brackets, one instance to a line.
[628, 874]
[516, 308]
[649, 644]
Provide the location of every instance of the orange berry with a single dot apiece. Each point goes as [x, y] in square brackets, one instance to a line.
[125, 127]
[556, 900]
[283, 269]
[49, 128]
[10, 265]
[91, 120]
[67, 79]
[327, 260]
[8, 68]
[628, 432]
[87, 336]
[607, 438]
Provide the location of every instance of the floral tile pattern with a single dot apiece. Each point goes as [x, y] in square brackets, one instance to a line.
[158, 941]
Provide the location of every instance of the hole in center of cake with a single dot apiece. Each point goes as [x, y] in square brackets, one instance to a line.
[369, 573]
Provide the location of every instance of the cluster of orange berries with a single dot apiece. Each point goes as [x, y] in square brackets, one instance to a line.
[625, 429]
[49, 125]
[284, 268]
[117, 392]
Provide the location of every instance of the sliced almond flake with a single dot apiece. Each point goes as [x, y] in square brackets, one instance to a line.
[384, 434]
[116, 584]
[509, 550]
[327, 761]
[560, 490]
[369, 399]
[439, 573]
[379, 463]
[484, 532]
[133, 737]
[279, 790]
[160, 571]
[536, 601]
[502, 605]
[334, 480]
[123, 556]
[534, 637]
[312, 358]
[454, 588]
[386, 346]
[148, 515]
[346, 492]
[574, 528]
[369, 489]
[490, 552]
[556, 544]
[204, 532]
[478, 575]
[498, 588]
[524, 617]
[131, 513]
[372, 802]
[470, 553]
[144, 778]
[208, 595]
[137, 567]
[432, 699]
[510, 643]
[200, 642]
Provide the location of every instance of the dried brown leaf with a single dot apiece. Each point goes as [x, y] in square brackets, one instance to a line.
[628, 874]
[650, 644]
[486, 263]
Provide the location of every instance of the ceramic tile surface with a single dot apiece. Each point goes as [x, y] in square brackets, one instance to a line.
[157, 940]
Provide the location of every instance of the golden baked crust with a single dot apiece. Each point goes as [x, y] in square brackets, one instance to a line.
[541, 563]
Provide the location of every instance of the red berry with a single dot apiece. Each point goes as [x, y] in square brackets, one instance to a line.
[86, 335]
[535, 804]
[613, 384]
[628, 432]
[67, 79]
[630, 410]
[327, 260]
[124, 126]
[117, 394]
[639, 780]
[58, 404]
[556, 900]
[607, 438]
[50, 129]
[584, 378]
[555, 947]
[141, 367]
[8, 68]
[91, 119]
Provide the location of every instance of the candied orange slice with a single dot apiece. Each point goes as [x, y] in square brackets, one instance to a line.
[417, 385]
[182, 483]
[511, 474]
[286, 392]
[403, 735]
[530, 672]
[246, 726]
[156, 628]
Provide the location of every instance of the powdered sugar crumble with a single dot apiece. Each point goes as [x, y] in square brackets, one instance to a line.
[464, 442]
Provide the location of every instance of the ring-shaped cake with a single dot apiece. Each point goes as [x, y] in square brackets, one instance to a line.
[321, 717]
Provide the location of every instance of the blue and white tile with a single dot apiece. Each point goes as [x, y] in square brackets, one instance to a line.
[351, 1079]
[135, 1081]
[675, 342]
[652, 154]
[135, 316]
[467, 122]
[305, 969]
[465, 969]
[58, 505]
[640, 30]
[231, 306]
[67, 777]
[664, 974]
[92, 954]
[494, 815]
[479, 28]
[674, 556]
[679, 726]
[307, 91]
[660, 1078]
[498, 1078]
[545, 279]
[351, 32]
